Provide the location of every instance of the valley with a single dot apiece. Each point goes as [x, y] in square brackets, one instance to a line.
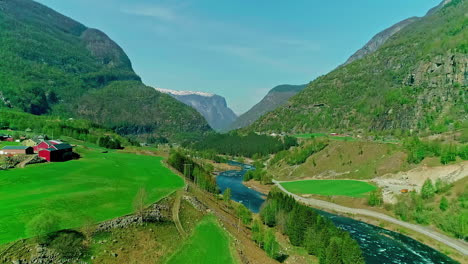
[367, 163]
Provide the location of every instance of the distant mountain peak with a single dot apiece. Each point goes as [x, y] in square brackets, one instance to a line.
[211, 106]
[175, 92]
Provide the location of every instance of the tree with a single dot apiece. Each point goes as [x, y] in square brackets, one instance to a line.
[244, 214]
[139, 202]
[444, 204]
[227, 195]
[42, 225]
[427, 190]
[333, 252]
[375, 198]
[312, 242]
[270, 244]
[257, 232]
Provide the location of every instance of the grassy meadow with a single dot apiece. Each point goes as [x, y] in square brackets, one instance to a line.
[208, 244]
[99, 186]
[349, 188]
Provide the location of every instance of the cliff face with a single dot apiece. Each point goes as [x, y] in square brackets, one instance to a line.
[211, 106]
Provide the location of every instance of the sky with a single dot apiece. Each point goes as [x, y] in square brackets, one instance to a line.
[239, 49]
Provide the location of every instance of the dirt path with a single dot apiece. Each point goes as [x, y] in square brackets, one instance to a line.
[175, 214]
[458, 245]
[26, 161]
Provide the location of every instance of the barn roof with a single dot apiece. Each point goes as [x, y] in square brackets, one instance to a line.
[62, 146]
[16, 147]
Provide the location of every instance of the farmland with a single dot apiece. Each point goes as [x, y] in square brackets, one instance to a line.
[208, 244]
[349, 188]
[99, 186]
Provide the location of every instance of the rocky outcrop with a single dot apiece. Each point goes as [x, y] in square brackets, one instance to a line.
[155, 213]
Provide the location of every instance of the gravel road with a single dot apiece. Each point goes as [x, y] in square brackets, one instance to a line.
[458, 245]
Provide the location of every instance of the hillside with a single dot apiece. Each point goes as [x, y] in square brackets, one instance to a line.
[415, 81]
[275, 98]
[51, 64]
[211, 106]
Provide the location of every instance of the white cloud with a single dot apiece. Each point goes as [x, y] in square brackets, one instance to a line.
[166, 13]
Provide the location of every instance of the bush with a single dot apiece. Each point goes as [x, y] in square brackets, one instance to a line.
[41, 226]
[68, 243]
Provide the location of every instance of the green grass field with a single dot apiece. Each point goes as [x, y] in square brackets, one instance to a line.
[330, 187]
[209, 244]
[99, 186]
[6, 143]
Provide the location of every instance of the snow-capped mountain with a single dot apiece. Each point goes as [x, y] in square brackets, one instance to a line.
[213, 107]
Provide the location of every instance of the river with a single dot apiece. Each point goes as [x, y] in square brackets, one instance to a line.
[380, 246]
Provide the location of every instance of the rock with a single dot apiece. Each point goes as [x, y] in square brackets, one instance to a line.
[115, 255]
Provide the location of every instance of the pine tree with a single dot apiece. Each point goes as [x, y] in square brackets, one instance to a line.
[427, 190]
[444, 204]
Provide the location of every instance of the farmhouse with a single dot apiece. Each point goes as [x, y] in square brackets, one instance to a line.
[57, 152]
[46, 144]
[30, 142]
[17, 150]
[6, 138]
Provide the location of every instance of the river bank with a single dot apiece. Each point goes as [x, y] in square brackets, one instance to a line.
[379, 245]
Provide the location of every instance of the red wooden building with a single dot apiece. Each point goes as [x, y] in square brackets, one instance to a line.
[57, 152]
[46, 144]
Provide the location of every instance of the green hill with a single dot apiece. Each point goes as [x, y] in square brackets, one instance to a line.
[415, 81]
[52, 64]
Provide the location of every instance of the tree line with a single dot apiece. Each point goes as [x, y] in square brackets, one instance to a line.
[55, 127]
[306, 228]
[234, 144]
[199, 174]
[436, 205]
[418, 150]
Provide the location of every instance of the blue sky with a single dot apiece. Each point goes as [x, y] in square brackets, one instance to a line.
[239, 49]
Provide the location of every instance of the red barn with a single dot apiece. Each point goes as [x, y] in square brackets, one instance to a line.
[58, 152]
[46, 144]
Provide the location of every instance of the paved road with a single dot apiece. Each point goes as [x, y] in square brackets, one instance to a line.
[458, 245]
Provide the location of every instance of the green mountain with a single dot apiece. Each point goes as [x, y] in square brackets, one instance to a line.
[52, 64]
[416, 80]
[275, 98]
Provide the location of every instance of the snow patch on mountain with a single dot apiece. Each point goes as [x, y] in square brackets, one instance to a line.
[174, 92]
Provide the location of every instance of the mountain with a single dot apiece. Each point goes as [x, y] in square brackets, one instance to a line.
[275, 98]
[415, 81]
[52, 64]
[379, 39]
[213, 107]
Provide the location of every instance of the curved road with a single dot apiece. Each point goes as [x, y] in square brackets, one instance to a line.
[458, 245]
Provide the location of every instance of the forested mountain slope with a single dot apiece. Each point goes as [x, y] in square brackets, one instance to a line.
[416, 80]
[275, 98]
[51, 64]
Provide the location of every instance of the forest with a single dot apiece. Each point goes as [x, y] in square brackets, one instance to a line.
[306, 228]
[55, 127]
[250, 145]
